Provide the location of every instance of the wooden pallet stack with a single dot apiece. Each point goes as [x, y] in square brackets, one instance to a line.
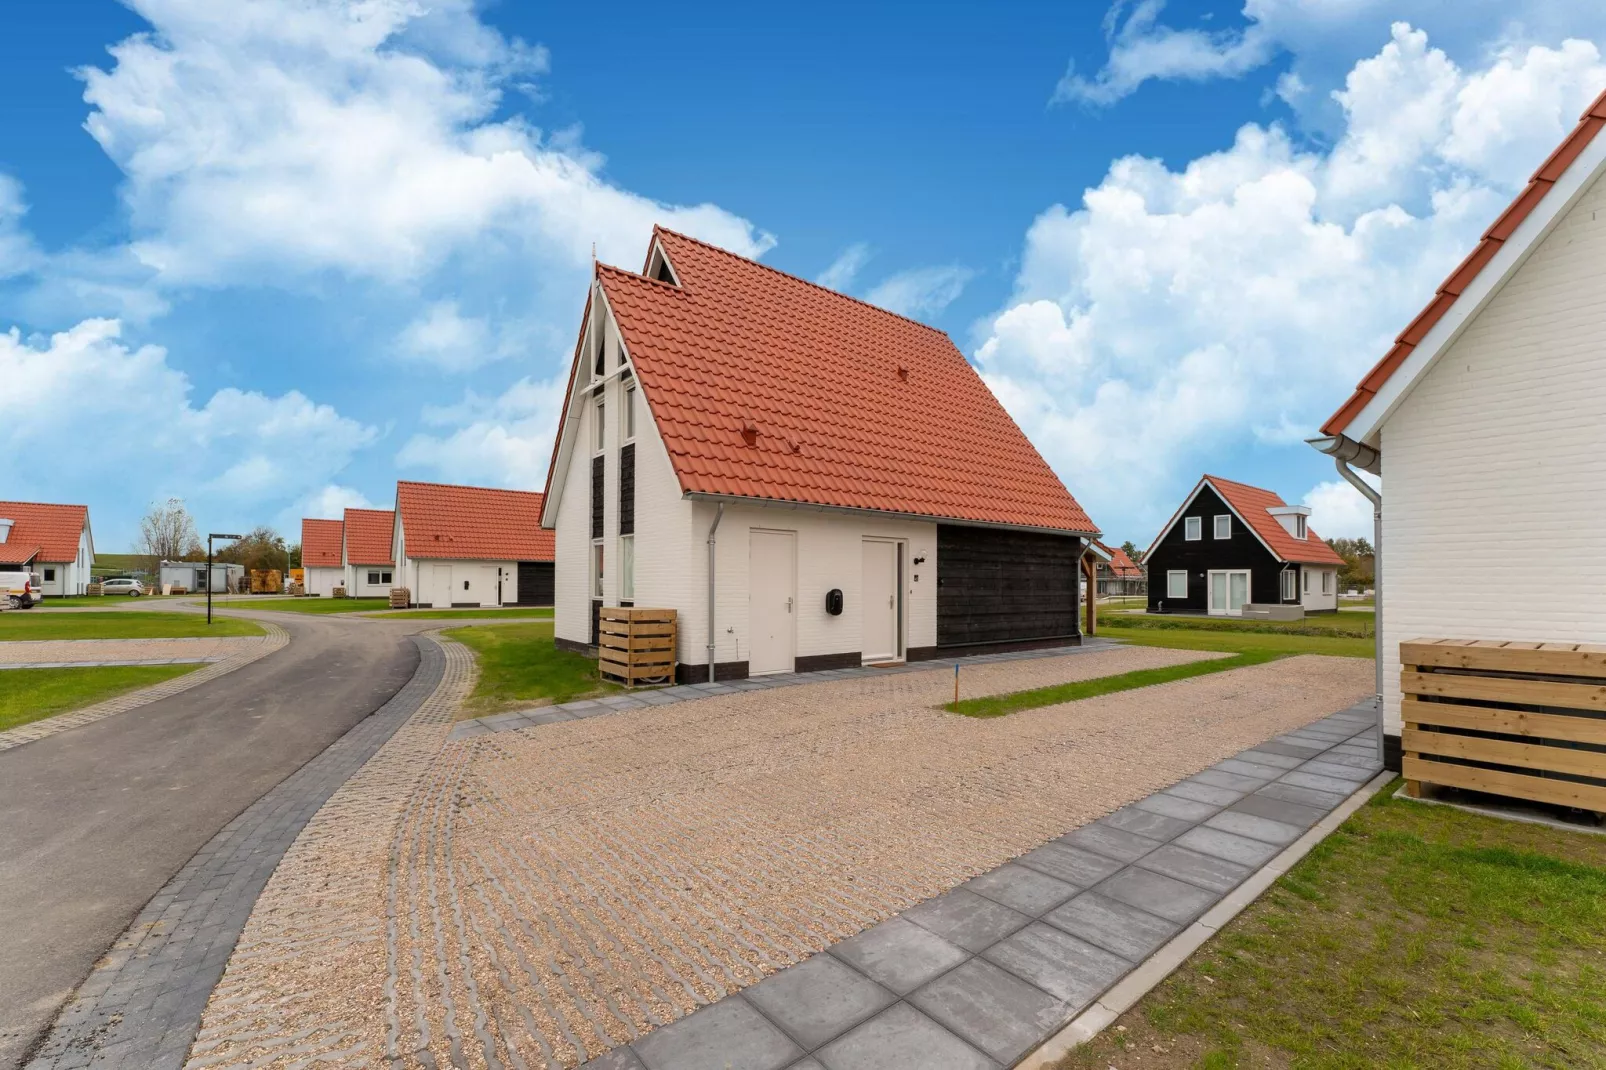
[1507, 718]
[636, 646]
[399, 597]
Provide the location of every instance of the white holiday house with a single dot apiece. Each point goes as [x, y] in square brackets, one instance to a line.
[1486, 420]
[808, 481]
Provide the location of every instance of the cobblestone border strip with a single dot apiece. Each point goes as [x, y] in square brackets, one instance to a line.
[573, 711]
[275, 639]
[980, 976]
[141, 1005]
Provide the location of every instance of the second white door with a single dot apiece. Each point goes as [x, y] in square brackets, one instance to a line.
[879, 639]
[1229, 591]
[772, 601]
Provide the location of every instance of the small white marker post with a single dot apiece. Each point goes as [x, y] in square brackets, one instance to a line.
[956, 683]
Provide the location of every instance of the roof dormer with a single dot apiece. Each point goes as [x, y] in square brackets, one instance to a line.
[1293, 518]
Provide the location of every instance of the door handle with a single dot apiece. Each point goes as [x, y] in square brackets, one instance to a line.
[789, 605]
[890, 599]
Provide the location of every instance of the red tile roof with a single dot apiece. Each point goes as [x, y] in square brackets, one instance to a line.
[1589, 124]
[42, 532]
[370, 534]
[1251, 503]
[320, 543]
[472, 523]
[1122, 564]
[763, 385]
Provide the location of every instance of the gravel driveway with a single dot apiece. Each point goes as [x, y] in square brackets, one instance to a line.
[540, 896]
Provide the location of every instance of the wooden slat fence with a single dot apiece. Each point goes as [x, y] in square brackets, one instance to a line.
[1525, 720]
[636, 646]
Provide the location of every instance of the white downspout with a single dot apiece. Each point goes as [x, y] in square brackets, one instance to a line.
[1346, 451]
[719, 514]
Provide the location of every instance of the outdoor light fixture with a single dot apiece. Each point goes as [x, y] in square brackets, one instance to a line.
[209, 585]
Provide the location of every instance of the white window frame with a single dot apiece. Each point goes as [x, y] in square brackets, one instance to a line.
[1216, 530]
[1290, 588]
[1171, 577]
[599, 437]
[378, 577]
[627, 568]
[598, 561]
[1327, 581]
[1299, 527]
[1192, 528]
[1305, 572]
[627, 412]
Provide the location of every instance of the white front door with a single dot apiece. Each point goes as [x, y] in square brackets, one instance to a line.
[1229, 592]
[879, 601]
[772, 601]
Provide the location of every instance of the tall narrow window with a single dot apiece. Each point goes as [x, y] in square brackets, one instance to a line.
[1327, 582]
[1289, 592]
[596, 569]
[600, 437]
[627, 568]
[1306, 574]
[600, 365]
[1224, 526]
[1299, 526]
[627, 416]
[1193, 528]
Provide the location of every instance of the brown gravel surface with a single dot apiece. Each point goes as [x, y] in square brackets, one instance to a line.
[533, 898]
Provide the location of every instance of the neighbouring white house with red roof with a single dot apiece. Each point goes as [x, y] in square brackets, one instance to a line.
[470, 546]
[52, 540]
[809, 481]
[320, 556]
[1487, 419]
[367, 552]
[1230, 545]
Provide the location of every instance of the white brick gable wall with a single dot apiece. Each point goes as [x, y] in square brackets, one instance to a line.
[1494, 465]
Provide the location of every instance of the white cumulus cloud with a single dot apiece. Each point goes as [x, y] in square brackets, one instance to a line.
[1230, 304]
[920, 292]
[505, 441]
[1338, 510]
[102, 413]
[360, 136]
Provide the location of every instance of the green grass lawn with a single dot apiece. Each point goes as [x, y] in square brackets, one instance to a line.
[1251, 647]
[280, 604]
[1414, 936]
[100, 600]
[28, 695]
[32, 624]
[519, 666]
[510, 612]
[1358, 624]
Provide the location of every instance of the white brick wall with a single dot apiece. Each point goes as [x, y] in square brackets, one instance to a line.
[1313, 599]
[1494, 516]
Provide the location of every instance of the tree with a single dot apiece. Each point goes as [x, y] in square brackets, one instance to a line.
[167, 532]
[1133, 552]
[295, 555]
[1359, 563]
[261, 548]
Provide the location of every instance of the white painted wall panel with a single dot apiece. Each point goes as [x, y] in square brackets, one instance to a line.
[323, 581]
[1494, 519]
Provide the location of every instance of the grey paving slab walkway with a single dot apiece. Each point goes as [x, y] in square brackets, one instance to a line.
[598, 707]
[980, 976]
[141, 1005]
[110, 664]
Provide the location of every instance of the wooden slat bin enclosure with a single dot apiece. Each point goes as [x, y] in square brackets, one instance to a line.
[636, 646]
[1525, 720]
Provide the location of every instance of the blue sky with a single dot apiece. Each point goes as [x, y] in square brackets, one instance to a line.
[269, 255]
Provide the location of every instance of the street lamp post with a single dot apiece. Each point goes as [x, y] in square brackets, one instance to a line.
[209, 584]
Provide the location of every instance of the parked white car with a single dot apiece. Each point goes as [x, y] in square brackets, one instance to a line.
[21, 590]
[122, 585]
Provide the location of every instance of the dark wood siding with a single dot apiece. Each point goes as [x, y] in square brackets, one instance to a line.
[627, 490]
[1243, 551]
[996, 586]
[536, 583]
[596, 496]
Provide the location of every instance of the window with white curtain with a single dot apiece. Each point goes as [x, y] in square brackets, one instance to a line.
[1193, 528]
[1176, 584]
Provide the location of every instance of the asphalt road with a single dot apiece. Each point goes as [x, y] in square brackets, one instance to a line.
[94, 821]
